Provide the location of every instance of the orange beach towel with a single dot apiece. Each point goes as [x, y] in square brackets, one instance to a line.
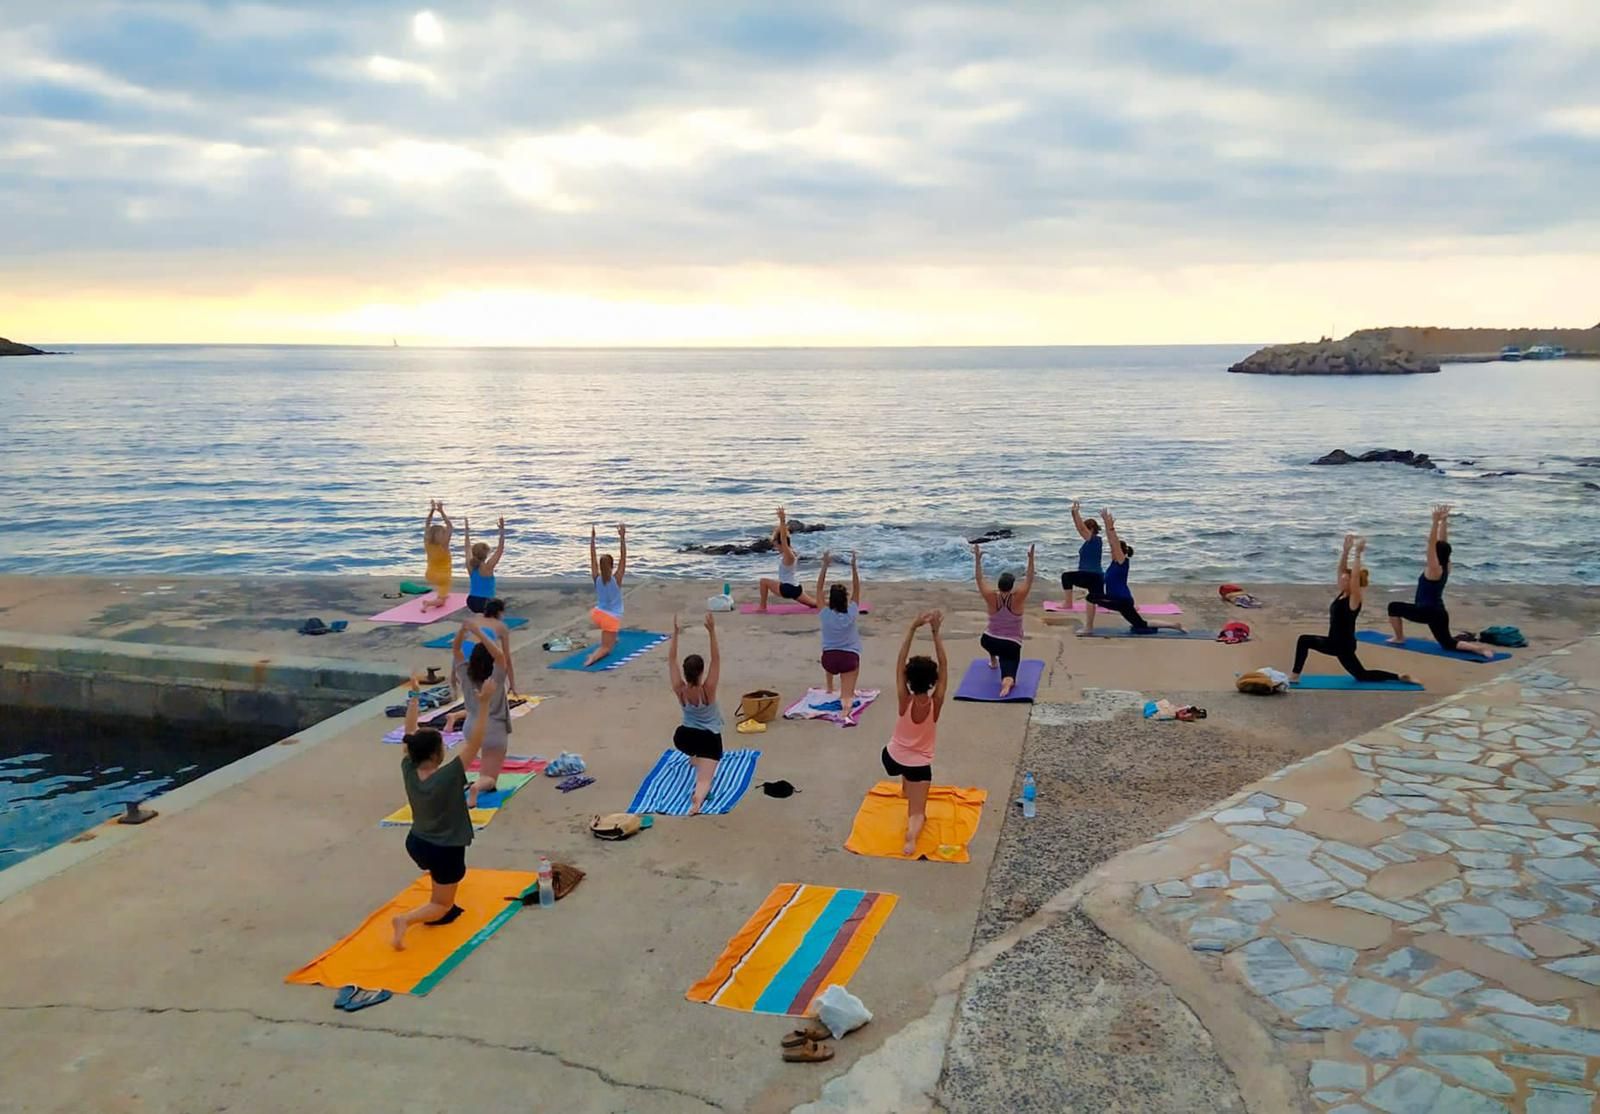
[953, 815]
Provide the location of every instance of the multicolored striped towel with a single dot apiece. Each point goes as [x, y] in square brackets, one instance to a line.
[801, 940]
[669, 788]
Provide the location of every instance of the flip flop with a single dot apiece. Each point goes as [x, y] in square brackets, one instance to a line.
[345, 994]
[366, 998]
[815, 1031]
[808, 1053]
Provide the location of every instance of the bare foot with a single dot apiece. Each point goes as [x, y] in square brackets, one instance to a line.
[1084, 632]
[1397, 641]
[993, 664]
[472, 795]
[909, 850]
[1294, 678]
[399, 940]
[1005, 687]
[1180, 628]
[1408, 678]
[694, 810]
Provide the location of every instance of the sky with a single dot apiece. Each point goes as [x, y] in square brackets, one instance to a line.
[616, 172]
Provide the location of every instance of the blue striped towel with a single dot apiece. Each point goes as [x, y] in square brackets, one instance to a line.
[669, 787]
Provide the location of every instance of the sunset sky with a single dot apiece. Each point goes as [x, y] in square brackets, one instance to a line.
[616, 172]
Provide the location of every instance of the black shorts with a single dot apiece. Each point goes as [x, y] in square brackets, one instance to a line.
[697, 742]
[1090, 582]
[445, 865]
[789, 591]
[910, 773]
[476, 604]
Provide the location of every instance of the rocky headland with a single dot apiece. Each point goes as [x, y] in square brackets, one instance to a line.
[1350, 356]
[12, 348]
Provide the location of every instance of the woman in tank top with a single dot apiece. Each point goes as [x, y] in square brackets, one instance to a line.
[787, 585]
[700, 734]
[481, 564]
[607, 611]
[436, 548]
[480, 678]
[920, 685]
[1340, 641]
[1429, 607]
[1002, 637]
[1115, 595]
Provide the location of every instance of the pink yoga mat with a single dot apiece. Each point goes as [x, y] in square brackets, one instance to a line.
[411, 611]
[1144, 608]
[787, 609]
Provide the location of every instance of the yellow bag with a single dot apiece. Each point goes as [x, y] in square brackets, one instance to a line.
[760, 705]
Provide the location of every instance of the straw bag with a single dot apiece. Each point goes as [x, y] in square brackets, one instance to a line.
[615, 825]
[760, 705]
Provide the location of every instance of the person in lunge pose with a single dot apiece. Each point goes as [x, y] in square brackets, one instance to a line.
[1428, 607]
[1340, 641]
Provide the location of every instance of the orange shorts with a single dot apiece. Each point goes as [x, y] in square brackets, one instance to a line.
[606, 621]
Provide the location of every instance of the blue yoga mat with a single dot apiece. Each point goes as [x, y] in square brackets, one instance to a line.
[1425, 646]
[1163, 633]
[669, 787]
[444, 640]
[630, 644]
[1346, 682]
[983, 684]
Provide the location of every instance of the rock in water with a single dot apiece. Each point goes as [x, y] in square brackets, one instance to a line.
[998, 534]
[1350, 356]
[763, 544]
[1379, 456]
[12, 348]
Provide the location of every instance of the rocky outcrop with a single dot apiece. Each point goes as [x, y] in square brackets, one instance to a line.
[1378, 456]
[1335, 357]
[763, 544]
[1471, 345]
[12, 348]
[1000, 533]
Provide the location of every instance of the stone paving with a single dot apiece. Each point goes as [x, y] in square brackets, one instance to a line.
[1415, 915]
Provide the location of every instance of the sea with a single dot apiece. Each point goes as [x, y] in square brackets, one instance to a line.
[300, 461]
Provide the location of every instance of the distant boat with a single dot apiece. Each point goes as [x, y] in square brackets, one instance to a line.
[1511, 353]
[1557, 352]
[1539, 352]
[393, 343]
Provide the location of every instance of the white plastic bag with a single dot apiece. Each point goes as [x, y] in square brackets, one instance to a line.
[841, 1011]
[719, 602]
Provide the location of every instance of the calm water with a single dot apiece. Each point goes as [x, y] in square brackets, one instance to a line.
[322, 460]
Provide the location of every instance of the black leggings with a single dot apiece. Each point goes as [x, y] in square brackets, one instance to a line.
[1436, 618]
[1345, 652]
[1009, 653]
[1125, 608]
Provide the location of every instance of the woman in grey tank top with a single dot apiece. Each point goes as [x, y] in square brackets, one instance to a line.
[481, 680]
[787, 585]
[700, 734]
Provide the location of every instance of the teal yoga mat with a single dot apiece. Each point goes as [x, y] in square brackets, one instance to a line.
[1425, 646]
[444, 640]
[1345, 682]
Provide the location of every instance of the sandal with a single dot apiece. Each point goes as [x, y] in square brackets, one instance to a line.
[814, 1031]
[808, 1053]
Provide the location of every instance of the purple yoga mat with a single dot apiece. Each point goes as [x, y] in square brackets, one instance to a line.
[1077, 608]
[787, 608]
[983, 683]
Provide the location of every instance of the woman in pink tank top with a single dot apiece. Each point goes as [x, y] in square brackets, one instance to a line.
[1002, 637]
[909, 755]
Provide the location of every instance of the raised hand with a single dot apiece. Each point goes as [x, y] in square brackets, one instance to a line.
[675, 627]
[622, 530]
[1077, 503]
[827, 556]
[977, 550]
[1349, 540]
[711, 623]
[1030, 552]
[934, 619]
[852, 558]
[1105, 517]
[464, 523]
[502, 522]
[1361, 545]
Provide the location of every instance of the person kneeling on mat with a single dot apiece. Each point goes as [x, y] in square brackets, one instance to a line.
[1087, 575]
[920, 684]
[1002, 637]
[1116, 595]
[700, 734]
[841, 636]
[441, 824]
[1429, 606]
[788, 583]
[607, 611]
[1340, 641]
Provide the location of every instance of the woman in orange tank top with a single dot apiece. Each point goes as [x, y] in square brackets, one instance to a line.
[909, 756]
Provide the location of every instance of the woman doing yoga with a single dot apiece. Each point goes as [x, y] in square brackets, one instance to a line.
[607, 610]
[1002, 637]
[788, 583]
[920, 685]
[1340, 641]
[481, 564]
[481, 679]
[1429, 606]
[700, 734]
[436, 547]
[1116, 595]
[1087, 575]
[841, 636]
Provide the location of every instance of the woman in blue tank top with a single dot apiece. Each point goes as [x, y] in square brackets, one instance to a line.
[700, 734]
[481, 564]
[1429, 606]
[607, 611]
[1115, 595]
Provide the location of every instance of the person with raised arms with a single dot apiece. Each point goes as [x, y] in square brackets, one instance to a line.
[699, 736]
[787, 585]
[481, 564]
[1002, 636]
[482, 678]
[1340, 641]
[1116, 595]
[1087, 575]
[841, 635]
[920, 686]
[1429, 605]
[436, 548]
[607, 610]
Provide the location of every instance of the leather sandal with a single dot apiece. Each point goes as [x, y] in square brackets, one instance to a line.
[813, 1031]
[809, 1053]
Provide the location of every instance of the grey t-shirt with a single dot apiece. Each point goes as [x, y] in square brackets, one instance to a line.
[439, 803]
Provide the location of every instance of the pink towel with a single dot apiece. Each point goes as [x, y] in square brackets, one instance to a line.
[787, 608]
[411, 611]
[1144, 608]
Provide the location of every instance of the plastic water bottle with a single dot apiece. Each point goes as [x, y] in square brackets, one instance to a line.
[547, 883]
[727, 588]
[1030, 794]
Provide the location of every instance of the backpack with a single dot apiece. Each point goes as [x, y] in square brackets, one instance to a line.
[1234, 633]
[1502, 636]
[615, 825]
[1258, 683]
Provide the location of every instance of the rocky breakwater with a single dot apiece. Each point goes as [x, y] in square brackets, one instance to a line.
[1335, 357]
[1379, 456]
[12, 348]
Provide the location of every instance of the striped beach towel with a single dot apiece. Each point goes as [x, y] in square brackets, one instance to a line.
[801, 940]
[630, 644]
[669, 787]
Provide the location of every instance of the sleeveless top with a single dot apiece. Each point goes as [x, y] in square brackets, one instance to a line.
[787, 573]
[839, 629]
[438, 561]
[1089, 554]
[1005, 623]
[497, 731]
[1342, 621]
[608, 595]
[912, 742]
[1117, 581]
[1430, 593]
[480, 583]
[703, 717]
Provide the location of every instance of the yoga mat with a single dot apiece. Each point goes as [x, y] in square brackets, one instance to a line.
[1163, 633]
[669, 788]
[821, 704]
[1077, 608]
[983, 683]
[367, 958]
[802, 939]
[444, 640]
[411, 611]
[952, 821]
[489, 804]
[1343, 681]
[1426, 646]
[788, 608]
[398, 735]
[514, 764]
[630, 644]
